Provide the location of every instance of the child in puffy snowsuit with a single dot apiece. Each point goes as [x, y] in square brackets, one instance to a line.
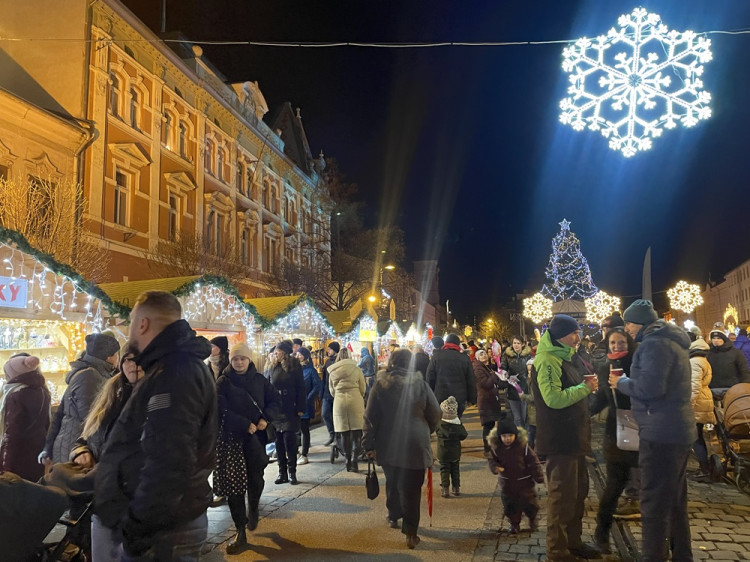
[450, 433]
[518, 468]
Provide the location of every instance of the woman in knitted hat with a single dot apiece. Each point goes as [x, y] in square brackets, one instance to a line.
[312, 390]
[24, 417]
[289, 382]
[219, 358]
[347, 386]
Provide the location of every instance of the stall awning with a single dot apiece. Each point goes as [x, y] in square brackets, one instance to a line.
[125, 292]
[271, 311]
[270, 308]
[341, 320]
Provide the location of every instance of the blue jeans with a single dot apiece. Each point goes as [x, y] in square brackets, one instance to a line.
[181, 544]
[106, 544]
[326, 411]
[519, 412]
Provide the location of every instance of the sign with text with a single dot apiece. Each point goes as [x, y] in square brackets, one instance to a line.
[13, 292]
[368, 335]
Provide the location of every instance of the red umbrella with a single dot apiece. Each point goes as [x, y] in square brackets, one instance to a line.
[429, 493]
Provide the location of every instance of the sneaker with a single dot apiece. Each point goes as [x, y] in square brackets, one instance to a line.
[630, 509]
[392, 523]
[514, 529]
[302, 460]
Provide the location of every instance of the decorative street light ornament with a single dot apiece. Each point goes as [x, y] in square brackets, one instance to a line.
[537, 308]
[685, 297]
[635, 81]
[600, 306]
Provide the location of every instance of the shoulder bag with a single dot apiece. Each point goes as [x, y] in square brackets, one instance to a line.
[627, 428]
[371, 481]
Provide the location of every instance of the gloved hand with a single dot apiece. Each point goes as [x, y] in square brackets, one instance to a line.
[43, 458]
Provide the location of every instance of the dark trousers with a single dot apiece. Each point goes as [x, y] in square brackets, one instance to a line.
[450, 471]
[618, 474]
[461, 408]
[304, 425]
[181, 544]
[486, 428]
[256, 461]
[403, 493]
[568, 486]
[664, 501]
[326, 412]
[286, 450]
[532, 436]
[350, 443]
[700, 449]
[516, 505]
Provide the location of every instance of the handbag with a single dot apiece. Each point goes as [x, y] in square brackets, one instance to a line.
[371, 481]
[627, 428]
[230, 476]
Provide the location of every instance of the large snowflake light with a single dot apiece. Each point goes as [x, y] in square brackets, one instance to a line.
[632, 93]
[600, 306]
[537, 308]
[685, 297]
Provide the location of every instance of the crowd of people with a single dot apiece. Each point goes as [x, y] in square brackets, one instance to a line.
[151, 422]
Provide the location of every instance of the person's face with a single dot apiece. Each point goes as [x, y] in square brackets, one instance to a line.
[138, 326]
[572, 339]
[131, 371]
[279, 355]
[507, 439]
[240, 363]
[215, 350]
[296, 347]
[482, 356]
[717, 341]
[517, 345]
[632, 329]
[330, 352]
[618, 343]
[113, 359]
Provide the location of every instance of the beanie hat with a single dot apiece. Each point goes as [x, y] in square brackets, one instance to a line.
[452, 338]
[297, 341]
[449, 406]
[240, 350]
[335, 346]
[305, 353]
[507, 426]
[101, 345]
[19, 365]
[718, 333]
[561, 326]
[286, 346]
[641, 312]
[613, 321]
[221, 342]
[696, 330]
[437, 342]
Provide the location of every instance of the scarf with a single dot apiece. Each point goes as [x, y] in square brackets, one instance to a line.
[453, 346]
[8, 389]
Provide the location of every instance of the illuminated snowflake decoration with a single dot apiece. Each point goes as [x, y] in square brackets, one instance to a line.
[537, 308]
[685, 297]
[600, 306]
[631, 94]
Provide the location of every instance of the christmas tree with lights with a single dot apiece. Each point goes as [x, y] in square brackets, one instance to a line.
[568, 271]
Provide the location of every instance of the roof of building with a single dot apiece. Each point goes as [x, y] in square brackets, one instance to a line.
[270, 308]
[125, 292]
[341, 320]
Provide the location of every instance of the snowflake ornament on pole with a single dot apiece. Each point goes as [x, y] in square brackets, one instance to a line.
[631, 94]
[537, 308]
[600, 306]
[685, 297]
[568, 271]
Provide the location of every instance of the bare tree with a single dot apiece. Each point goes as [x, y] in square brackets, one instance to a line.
[189, 254]
[49, 213]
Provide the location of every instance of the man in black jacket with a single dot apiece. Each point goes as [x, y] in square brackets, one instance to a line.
[152, 478]
[450, 374]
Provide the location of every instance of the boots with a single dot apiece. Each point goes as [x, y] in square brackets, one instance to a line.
[444, 492]
[348, 463]
[283, 477]
[252, 519]
[456, 491]
[293, 477]
[355, 466]
[239, 543]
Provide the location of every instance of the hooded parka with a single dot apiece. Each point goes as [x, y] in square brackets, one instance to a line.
[347, 386]
[701, 398]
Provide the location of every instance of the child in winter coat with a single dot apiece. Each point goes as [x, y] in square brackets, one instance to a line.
[450, 433]
[518, 468]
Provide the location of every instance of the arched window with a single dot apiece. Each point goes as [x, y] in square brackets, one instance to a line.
[114, 94]
[134, 108]
[209, 157]
[166, 136]
[220, 165]
[183, 140]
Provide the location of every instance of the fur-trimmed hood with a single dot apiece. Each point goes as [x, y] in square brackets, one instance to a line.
[525, 352]
[494, 439]
[398, 376]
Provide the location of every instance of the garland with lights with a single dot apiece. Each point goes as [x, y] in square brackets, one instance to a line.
[289, 319]
[567, 271]
[685, 297]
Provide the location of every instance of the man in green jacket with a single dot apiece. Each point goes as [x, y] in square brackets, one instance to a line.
[563, 437]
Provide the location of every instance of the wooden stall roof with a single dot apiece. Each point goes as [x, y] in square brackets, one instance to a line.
[125, 292]
[341, 320]
[270, 308]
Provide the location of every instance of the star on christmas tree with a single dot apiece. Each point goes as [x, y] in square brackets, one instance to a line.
[568, 271]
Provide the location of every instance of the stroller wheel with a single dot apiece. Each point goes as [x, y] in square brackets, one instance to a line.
[334, 453]
[716, 468]
[742, 479]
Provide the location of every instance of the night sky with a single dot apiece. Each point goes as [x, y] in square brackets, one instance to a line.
[462, 147]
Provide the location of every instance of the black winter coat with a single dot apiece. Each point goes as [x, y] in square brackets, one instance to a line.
[450, 374]
[728, 366]
[153, 473]
[290, 387]
[237, 410]
[521, 468]
[85, 379]
[515, 364]
[449, 437]
[488, 392]
[325, 392]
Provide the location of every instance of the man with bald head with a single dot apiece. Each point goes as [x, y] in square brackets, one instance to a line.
[152, 478]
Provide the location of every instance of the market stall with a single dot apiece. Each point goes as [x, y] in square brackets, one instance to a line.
[211, 305]
[46, 309]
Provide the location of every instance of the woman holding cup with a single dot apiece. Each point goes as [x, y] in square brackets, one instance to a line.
[620, 349]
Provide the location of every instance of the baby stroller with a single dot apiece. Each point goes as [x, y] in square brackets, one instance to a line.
[733, 433]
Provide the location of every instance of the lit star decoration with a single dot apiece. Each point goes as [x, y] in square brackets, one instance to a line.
[630, 94]
[600, 306]
[568, 271]
[685, 297]
[537, 308]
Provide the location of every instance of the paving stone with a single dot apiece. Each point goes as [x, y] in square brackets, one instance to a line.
[716, 537]
[724, 555]
[730, 546]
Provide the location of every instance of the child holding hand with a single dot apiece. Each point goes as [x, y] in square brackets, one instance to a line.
[518, 468]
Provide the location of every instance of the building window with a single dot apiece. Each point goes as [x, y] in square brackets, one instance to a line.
[121, 199]
[183, 140]
[220, 165]
[3, 173]
[166, 135]
[209, 158]
[114, 94]
[219, 231]
[173, 217]
[240, 177]
[134, 108]
[243, 248]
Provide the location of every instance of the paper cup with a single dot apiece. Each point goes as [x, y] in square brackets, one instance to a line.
[588, 378]
[616, 372]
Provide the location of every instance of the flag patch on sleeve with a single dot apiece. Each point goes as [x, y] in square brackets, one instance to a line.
[159, 402]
